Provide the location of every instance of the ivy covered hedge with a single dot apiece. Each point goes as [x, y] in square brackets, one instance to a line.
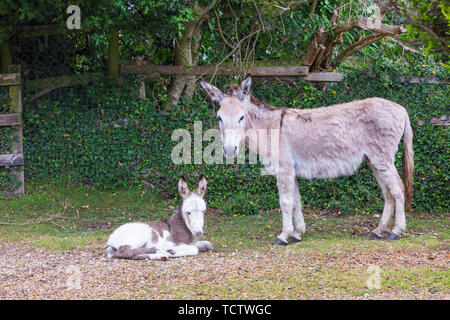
[103, 136]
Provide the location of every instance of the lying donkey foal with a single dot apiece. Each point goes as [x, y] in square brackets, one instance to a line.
[176, 236]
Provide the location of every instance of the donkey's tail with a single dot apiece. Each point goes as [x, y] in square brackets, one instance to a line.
[408, 163]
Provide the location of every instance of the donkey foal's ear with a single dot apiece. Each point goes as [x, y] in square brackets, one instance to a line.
[214, 93]
[201, 187]
[183, 189]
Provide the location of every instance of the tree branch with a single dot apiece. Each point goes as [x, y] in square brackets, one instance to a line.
[319, 51]
[356, 46]
[220, 31]
[401, 44]
[371, 24]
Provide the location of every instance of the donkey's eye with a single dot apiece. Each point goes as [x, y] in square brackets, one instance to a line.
[240, 119]
[188, 213]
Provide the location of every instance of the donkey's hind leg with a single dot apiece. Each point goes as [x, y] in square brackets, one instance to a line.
[388, 209]
[299, 222]
[397, 190]
[390, 178]
[127, 252]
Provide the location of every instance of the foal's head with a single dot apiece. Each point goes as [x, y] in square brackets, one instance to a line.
[193, 207]
[231, 114]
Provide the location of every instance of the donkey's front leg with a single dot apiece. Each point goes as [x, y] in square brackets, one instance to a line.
[286, 185]
[183, 250]
[203, 246]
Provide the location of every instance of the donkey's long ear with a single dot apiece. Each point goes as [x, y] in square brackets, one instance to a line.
[246, 85]
[183, 189]
[214, 93]
[245, 88]
[201, 187]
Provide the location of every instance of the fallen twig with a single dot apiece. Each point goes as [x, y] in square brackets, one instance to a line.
[45, 219]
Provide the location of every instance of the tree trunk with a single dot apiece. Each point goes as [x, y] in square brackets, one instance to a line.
[191, 82]
[183, 57]
[186, 54]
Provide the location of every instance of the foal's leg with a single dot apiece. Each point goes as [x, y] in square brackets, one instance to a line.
[286, 186]
[159, 255]
[127, 252]
[299, 222]
[388, 209]
[182, 250]
[203, 246]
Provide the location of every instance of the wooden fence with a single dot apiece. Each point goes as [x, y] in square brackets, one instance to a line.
[152, 72]
[13, 80]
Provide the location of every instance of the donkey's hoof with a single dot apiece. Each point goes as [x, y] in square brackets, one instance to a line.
[294, 240]
[374, 236]
[171, 252]
[279, 242]
[393, 237]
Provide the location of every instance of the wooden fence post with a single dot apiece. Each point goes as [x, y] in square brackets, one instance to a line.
[15, 96]
[113, 53]
[5, 56]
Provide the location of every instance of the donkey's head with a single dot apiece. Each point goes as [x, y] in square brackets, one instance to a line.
[193, 207]
[231, 114]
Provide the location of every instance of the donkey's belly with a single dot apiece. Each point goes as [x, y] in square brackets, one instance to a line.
[327, 168]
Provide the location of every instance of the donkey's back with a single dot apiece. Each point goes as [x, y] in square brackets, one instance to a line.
[332, 141]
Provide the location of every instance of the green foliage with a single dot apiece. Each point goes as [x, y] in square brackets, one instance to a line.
[105, 137]
[8, 136]
[429, 23]
[146, 27]
[8, 180]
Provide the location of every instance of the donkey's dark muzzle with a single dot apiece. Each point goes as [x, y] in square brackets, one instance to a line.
[229, 152]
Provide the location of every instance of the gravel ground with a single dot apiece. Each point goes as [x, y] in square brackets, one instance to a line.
[27, 272]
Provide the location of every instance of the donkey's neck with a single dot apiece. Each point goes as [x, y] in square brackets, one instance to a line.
[262, 116]
[263, 126]
[179, 232]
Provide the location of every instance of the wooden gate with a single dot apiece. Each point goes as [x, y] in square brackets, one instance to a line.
[14, 81]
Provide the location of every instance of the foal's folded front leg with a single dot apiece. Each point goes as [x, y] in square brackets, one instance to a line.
[183, 250]
[203, 246]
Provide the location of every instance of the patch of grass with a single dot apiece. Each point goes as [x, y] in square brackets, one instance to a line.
[322, 233]
[65, 243]
[431, 279]
[75, 211]
[313, 283]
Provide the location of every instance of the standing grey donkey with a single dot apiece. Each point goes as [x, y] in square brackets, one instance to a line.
[325, 142]
[176, 236]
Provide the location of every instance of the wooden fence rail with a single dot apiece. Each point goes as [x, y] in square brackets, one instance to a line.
[153, 72]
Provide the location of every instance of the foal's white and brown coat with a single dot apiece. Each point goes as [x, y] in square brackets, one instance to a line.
[324, 142]
[176, 236]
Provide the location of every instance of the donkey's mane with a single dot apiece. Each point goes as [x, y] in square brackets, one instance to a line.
[261, 104]
[234, 90]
